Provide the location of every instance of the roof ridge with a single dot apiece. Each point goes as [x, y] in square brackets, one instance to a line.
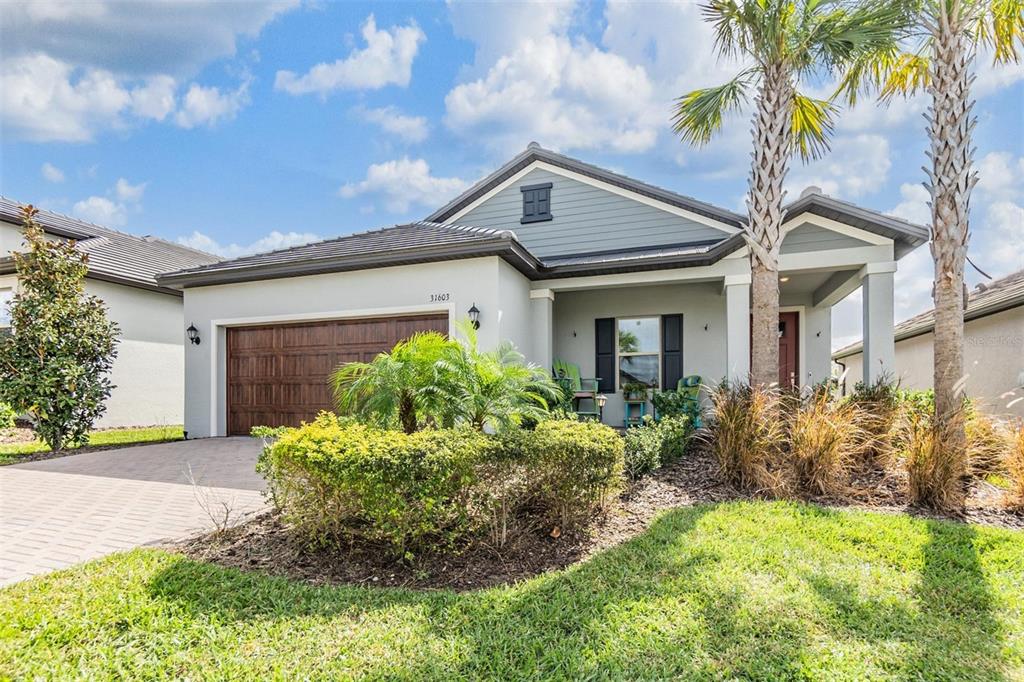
[495, 231]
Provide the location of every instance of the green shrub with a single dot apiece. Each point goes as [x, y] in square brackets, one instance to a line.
[337, 481]
[642, 450]
[575, 467]
[676, 434]
[654, 444]
[7, 416]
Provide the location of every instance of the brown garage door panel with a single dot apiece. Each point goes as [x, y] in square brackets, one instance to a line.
[278, 375]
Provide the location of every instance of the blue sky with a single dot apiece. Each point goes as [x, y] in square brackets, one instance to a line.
[237, 127]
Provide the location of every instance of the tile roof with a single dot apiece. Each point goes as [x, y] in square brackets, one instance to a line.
[416, 242]
[985, 299]
[113, 255]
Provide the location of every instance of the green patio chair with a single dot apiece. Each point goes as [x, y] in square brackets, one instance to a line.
[568, 375]
[689, 388]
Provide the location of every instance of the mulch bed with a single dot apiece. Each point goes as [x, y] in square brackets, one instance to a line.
[265, 544]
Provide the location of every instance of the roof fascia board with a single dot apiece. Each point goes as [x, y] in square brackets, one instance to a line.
[593, 182]
[915, 234]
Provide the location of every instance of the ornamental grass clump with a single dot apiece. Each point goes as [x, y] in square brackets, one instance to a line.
[879, 407]
[987, 444]
[748, 437]
[1014, 464]
[826, 438]
[935, 466]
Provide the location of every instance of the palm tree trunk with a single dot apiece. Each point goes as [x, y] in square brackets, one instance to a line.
[951, 180]
[773, 136]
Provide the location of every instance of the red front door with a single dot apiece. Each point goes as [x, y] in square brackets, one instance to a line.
[789, 349]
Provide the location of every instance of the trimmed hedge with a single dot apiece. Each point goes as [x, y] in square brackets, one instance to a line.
[654, 444]
[337, 481]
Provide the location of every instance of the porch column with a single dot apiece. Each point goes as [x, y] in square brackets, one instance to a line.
[737, 328]
[541, 310]
[879, 343]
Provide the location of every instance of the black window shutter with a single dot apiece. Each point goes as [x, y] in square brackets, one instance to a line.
[671, 351]
[543, 201]
[529, 203]
[604, 334]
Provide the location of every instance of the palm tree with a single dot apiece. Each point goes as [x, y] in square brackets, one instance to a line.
[398, 386]
[497, 388]
[936, 56]
[786, 44]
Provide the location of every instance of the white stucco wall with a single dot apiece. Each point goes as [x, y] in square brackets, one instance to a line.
[364, 293]
[149, 370]
[514, 313]
[704, 352]
[993, 361]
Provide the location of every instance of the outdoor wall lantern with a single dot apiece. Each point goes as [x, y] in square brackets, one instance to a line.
[602, 400]
[193, 334]
[474, 316]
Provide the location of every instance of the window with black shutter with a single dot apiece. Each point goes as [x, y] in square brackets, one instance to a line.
[536, 203]
[604, 364]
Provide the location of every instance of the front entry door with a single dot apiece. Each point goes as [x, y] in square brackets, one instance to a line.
[789, 349]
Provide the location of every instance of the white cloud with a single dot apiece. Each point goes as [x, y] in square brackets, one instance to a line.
[1000, 176]
[857, 165]
[271, 242]
[125, 191]
[402, 183]
[391, 120]
[73, 70]
[564, 95]
[101, 211]
[999, 239]
[136, 40]
[535, 77]
[914, 205]
[386, 60]
[51, 173]
[209, 105]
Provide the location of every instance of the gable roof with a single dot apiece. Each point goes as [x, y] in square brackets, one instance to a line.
[534, 152]
[113, 256]
[986, 299]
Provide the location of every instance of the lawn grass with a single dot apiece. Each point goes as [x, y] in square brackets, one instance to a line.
[9, 452]
[750, 590]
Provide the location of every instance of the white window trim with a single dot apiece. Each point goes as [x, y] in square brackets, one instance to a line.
[659, 353]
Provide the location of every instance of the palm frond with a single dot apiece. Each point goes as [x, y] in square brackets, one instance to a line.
[887, 72]
[698, 115]
[813, 122]
[1002, 29]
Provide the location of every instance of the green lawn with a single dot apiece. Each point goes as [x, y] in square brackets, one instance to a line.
[9, 452]
[738, 590]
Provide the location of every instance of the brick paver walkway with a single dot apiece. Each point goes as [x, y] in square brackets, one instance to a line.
[63, 511]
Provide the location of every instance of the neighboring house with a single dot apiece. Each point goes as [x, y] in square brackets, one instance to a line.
[560, 257]
[148, 373]
[993, 348]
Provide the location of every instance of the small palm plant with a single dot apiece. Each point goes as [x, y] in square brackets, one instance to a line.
[786, 44]
[937, 56]
[400, 386]
[496, 389]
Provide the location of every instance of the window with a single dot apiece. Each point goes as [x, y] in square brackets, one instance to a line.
[639, 349]
[5, 314]
[536, 203]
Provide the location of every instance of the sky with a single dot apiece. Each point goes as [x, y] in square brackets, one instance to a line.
[240, 127]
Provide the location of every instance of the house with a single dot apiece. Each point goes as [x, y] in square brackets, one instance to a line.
[993, 348]
[148, 373]
[557, 255]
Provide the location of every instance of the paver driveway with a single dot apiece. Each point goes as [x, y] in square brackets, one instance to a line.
[59, 512]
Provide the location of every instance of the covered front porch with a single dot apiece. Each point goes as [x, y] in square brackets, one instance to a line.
[659, 326]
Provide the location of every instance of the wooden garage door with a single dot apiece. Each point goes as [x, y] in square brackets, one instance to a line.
[278, 375]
